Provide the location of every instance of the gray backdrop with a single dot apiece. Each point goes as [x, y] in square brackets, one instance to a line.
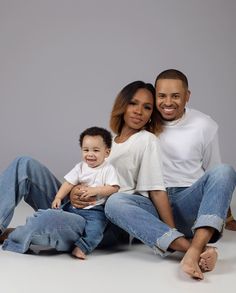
[62, 62]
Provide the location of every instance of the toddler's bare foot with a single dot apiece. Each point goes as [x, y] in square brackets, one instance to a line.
[189, 264]
[208, 259]
[77, 252]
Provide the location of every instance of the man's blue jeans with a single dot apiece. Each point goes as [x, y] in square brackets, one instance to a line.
[49, 228]
[25, 178]
[204, 204]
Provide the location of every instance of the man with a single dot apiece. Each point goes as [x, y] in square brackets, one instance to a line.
[190, 150]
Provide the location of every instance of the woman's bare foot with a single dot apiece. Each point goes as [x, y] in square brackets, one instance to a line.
[189, 263]
[77, 252]
[208, 259]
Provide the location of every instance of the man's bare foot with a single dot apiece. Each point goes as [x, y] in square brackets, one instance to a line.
[189, 263]
[77, 252]
[230, 224]
[208, 259]
[5, 234]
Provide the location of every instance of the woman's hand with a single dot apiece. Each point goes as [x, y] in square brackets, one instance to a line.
[76, 197]
[88, 192]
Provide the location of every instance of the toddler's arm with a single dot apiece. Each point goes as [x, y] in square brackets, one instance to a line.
[61, 194]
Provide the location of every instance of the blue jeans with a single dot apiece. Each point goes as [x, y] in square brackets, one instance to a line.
[137, 215]
[49, 228]
[96, 222]
[204, 204]
[27, 178]
[60, 230]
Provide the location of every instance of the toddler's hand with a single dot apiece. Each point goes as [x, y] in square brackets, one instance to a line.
[56, 203]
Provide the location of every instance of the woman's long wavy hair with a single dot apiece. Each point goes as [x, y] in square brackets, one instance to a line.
[124, 98]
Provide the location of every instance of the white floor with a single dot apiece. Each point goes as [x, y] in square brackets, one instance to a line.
[130, 269]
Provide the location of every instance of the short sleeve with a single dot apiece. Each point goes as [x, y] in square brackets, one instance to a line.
[211, 156]
[111, 176]
[73, 176]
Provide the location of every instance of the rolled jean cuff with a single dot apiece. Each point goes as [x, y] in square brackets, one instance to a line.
[165, 240]
[212, 221]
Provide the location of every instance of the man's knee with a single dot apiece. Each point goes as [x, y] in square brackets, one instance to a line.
[25, 163]
[224, 172]
[23, 159]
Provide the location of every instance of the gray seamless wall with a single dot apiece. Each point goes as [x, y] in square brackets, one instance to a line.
[63, 62]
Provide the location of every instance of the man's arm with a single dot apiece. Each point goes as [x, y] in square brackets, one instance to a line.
[211, 155]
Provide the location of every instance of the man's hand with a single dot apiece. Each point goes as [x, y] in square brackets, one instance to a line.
[76, 199]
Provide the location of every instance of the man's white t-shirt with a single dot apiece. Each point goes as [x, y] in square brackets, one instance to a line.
[138, 163]
[102, 175]
[189, 147]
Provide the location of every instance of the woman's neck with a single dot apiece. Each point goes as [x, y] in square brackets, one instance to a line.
[125, 134]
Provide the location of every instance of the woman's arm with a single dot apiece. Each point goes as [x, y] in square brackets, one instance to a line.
[102, 191]
[77, 201]
[161, 202]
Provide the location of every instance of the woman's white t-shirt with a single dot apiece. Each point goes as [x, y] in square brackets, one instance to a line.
[138, 163]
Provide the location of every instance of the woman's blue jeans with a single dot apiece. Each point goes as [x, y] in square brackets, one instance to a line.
[204, 204]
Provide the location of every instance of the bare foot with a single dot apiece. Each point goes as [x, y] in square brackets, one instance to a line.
[5, 234]
[208, 259]
[189, 264]
[231, 225]
[77, 252]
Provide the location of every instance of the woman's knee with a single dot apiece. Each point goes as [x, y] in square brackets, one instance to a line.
[110, 203]
[114, 203]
